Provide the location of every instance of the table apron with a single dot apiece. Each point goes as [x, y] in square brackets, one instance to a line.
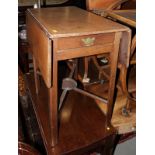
[84, 51]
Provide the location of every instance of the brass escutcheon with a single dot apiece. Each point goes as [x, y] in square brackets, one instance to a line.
[88, 41]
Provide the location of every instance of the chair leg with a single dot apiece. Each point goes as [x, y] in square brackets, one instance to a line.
[86, 65]
[123, 77]
[100, 69]
[123, 80]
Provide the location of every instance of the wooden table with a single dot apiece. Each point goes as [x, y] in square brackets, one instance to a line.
[125, 16]
[63, 33]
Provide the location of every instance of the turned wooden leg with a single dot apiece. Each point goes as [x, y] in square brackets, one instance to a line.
[123, 81]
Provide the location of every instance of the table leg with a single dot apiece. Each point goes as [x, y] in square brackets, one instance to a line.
[53, 103]
[53, 116]
[113, 68]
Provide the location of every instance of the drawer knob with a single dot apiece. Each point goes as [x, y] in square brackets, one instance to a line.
[88, 41]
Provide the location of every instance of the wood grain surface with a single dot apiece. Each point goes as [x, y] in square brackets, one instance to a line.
[72, 21]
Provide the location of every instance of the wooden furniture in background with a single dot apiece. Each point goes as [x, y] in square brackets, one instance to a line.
[131, 4]
[104, 4]
[56, 34]
[29, 136]
[23, 147]
[127, 17]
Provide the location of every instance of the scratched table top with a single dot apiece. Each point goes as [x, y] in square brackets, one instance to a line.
[72, 21]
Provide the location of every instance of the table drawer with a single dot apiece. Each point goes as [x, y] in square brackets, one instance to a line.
[85, 41]
[84, 51]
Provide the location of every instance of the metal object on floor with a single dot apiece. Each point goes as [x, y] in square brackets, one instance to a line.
[62, 97]
[71, 84]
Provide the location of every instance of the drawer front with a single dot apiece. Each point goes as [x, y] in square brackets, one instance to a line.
[84, 51]
[85, 41]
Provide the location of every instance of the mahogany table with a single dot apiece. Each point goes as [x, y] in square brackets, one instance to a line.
[63, 33]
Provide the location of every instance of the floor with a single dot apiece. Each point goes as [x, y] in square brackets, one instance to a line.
[126, 148]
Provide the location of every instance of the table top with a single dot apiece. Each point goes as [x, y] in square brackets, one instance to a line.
[125, 16]
[72, 21]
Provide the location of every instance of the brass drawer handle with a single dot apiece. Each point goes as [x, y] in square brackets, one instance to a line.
[88, 41]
